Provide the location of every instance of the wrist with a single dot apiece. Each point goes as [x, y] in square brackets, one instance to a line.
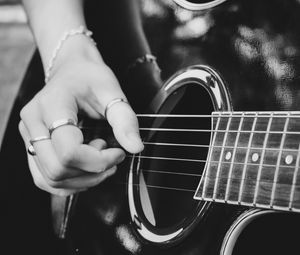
[71, 49]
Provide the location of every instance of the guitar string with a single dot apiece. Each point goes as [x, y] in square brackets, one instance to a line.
[192, 190]
[200, 175]
[211, 161]
[224, 114]
[172, 188]
[254, 149]
[215, 146]
[199, 130]
[198, 179]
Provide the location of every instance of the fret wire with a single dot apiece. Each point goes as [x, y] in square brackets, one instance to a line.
[204, 161]
[209, 157]
[278, 161]
[246, 158]
[221, 156]
[295, 179]
[261, 160]
[216, 146]
[233, 156]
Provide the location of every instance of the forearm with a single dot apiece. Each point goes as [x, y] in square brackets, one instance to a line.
[130, 26]
[50, 19]
[123, 41]
[118, 25]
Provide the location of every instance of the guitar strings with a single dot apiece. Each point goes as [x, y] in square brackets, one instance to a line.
[202, 130]
[194, 190]
[224, 114]
[157, 187]
[285, 150]
[217, 146]
[144, 157]
[211, 179]
[211, 161]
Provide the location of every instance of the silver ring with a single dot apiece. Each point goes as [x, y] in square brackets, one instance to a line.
[31, 150]
[39, 138]
[62, 122]
[112, 102]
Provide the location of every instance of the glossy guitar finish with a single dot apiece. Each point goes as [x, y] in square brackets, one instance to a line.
[255, 47]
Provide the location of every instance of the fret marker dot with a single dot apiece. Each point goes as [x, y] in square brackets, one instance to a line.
[228, 155]
[289, 159]
[255, 157]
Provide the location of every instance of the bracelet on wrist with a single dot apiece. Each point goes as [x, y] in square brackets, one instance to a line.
[147, 58]
[81, 30]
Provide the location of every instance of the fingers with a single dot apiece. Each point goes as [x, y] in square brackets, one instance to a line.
[68, 186]
[71, 152]
[66, 148]
[125, 127]
[60, 164]
[68, 143]
[120, 115]
[34, 167]
[63, 164]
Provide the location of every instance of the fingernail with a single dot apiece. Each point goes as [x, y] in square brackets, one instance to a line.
[135, 139]
[121, 159]
[112, 170]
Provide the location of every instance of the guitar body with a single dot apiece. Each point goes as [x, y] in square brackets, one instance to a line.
[239, 56]
[135, 212]
[148, 206]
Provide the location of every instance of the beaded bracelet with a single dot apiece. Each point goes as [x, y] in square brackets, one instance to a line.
[147, 58]
[81, 30]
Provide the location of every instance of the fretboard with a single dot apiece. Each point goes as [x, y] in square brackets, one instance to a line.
[253, 160]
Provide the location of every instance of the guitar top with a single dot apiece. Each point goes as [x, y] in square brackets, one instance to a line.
[220, 169]
[197, 185]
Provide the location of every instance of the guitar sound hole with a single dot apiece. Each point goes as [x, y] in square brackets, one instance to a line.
[172, 162]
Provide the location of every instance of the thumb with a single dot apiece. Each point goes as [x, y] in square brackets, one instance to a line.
[125, 126]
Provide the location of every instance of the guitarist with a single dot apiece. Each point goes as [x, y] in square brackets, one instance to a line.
[78, 78]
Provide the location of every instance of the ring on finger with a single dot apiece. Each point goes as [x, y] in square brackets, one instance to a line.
[30, 149]
[61, 122]
[112, 102]
[39, 138]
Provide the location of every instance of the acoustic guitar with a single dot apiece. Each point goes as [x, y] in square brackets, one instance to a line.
[220, 169]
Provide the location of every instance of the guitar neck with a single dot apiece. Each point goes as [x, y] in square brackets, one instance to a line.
[254, 160]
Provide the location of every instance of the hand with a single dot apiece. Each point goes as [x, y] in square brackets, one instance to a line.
[64, 165]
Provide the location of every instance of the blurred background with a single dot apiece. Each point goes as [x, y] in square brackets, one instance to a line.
[16, 48]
